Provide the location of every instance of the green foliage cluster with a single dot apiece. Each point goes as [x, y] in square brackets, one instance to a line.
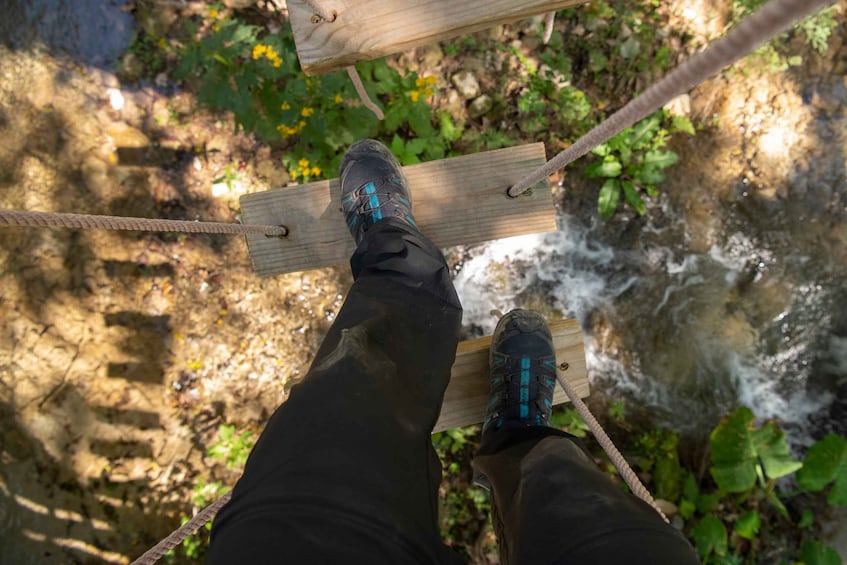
[633, 162]
[728, 518]
[232, 448]
[774, 56]
[242, 68]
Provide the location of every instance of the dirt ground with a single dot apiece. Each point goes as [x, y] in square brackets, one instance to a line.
[122, 353]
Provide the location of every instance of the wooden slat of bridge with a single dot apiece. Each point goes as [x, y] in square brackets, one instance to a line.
[456, 201]
[467, 394]
[368, 29]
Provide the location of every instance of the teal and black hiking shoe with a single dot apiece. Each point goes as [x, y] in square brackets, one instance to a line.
[373, 187]
[523, 373]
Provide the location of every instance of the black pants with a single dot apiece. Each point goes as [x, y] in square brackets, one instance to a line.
[345, 471]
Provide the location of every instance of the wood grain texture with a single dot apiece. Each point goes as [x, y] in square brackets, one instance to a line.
[467, 394]
[368, 29]
[455, 201]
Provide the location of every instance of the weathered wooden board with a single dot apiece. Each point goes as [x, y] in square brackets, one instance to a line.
[467, 394]
[455, 201]
[367, 29]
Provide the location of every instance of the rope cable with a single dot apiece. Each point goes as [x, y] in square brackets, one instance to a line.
[618, 460]
[90, 221]
[757, 28]
[363, 94]
[176, 537]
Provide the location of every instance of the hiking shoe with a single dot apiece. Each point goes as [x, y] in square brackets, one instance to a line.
[522, 361]
[373, 187]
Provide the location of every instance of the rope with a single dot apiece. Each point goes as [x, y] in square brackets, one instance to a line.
[178, 535]
[771, 19]
[363, 94]
[549, 20]
[89, 221]
[605, 442]
[322, 13]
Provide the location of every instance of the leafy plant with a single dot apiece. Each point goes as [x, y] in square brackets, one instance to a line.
[233, 448]
[239, 67]
[633, 162]
[569, 420]
[826, 463]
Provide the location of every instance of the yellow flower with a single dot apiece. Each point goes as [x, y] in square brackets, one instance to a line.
[306, 112]
[162, 43]
[293, 174]
[414, 95]
[213, 13]
[277, 63]
[258, 51]
[339, 99]
[302, 124]
[304, 163]
[425, 81]
[316, 171]
[216, 27]
[285, 106]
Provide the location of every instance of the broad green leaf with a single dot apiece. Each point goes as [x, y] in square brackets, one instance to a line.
[806, 519]
[415, 146]
[649, 175]
[632, 198]
[769, 442]
[826, 462]
[816, 553]
[645, 129]
[687, 508]
[733, 456]
[397, 146]
[689, 487]
[747, 526]
[604, 168]
[709, 537]
[661, 159]
[449, 130]
[683, 124]
[602, 150]
[420, 119]
[607, 202]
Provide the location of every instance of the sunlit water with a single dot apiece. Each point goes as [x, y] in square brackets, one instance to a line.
[699, 333]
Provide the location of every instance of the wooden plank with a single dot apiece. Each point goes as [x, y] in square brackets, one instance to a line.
[368, 29]
[467, 394]
[455, 201]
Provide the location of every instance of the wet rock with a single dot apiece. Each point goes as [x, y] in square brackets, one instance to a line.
[467, 84]
[480, 106]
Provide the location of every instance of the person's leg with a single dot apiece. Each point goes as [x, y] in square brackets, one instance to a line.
[550, 502]
[345, 470]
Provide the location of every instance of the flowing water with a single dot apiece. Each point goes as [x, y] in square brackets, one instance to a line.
[731, 292]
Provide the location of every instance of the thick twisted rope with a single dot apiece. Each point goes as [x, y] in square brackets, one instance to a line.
[89, 221]
[618, 460]
[178, 536]
[363, 94]
[774, 17]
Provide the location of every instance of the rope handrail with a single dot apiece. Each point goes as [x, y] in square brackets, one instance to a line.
[92, 221]
[771, 19]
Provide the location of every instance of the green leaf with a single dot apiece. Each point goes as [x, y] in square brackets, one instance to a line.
[420, 120]
[397, 146]
[661, 159]
[683, 124]
[777, 504]
[816, 553]
[645, 129]
[687, 508]
[769, 442]
[415, 146]
[607, 202]
[649, 175]
[807, 518]
[709, 537]
[610, 168]
[826, 462]
[632, 198]
[738, 448]
[747, 526]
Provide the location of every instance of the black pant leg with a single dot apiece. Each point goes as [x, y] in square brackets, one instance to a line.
[552, 505]
[345, 470]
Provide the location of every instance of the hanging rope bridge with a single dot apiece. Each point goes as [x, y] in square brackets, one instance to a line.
[773, 18]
